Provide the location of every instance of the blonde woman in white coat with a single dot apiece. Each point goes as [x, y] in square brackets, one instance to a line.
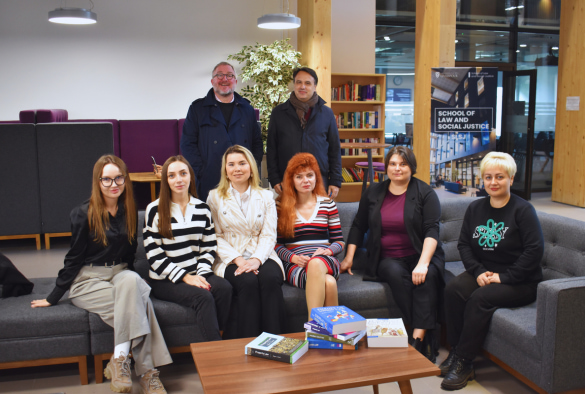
[245, 223]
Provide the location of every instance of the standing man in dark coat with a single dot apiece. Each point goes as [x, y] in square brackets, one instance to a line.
[214, 123]
[304, 124]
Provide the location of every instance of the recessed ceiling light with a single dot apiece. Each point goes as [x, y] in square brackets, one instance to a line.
[522, 45]
[555, 48]
[387, 38]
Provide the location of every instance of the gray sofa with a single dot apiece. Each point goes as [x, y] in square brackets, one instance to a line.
[540, 343]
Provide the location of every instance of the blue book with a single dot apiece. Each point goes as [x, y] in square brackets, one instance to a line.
[315, 343]
[338, 319]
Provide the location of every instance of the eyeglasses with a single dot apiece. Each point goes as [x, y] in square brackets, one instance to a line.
[119, 181]
[229, 77]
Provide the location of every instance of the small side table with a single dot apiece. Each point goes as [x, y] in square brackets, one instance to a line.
[149, 177]
[368, 146]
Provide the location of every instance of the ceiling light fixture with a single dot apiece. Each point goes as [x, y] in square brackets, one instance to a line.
[73, 16]
[279, 21]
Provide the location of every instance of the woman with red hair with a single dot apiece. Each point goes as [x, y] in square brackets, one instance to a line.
[309, 232]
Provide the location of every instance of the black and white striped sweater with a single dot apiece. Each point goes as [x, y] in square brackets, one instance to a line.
[191, 252]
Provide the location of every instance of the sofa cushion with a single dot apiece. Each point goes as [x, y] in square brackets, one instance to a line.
[564, 249]
[28, 116]
[61, 330]
[52, 115]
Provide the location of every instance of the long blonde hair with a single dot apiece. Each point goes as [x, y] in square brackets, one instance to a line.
[224, 182]
[97, 214]
[164, 199]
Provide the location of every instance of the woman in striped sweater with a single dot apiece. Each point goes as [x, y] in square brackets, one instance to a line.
[309, 232]
[180, 243]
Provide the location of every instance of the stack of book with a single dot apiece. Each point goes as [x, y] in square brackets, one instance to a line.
[357, 120]
[335, 327]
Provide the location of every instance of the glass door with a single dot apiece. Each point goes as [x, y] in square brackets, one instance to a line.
[518, 111]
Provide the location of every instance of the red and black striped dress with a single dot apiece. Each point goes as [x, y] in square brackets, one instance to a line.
[322, 230]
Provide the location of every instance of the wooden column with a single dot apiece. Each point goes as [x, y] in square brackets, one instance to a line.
[314, 41]
[434, 47]
[569, 163]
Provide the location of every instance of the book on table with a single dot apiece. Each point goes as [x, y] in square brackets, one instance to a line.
[277, 347]
[353, 341]
[313, 326]
[315, 343]
[386, 333]
[338, 319]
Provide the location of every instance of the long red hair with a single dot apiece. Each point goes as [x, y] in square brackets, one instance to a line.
[288, 199]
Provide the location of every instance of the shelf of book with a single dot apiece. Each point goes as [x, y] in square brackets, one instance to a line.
[366, 115]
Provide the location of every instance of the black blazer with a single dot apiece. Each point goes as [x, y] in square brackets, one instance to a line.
[422, 212]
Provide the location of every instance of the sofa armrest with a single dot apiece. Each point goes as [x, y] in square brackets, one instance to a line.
[560, 319]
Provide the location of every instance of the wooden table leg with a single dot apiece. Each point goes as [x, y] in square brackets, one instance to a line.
[47, 241]
[405, 387]
[38, 239]
[152, 191]
[376, 391]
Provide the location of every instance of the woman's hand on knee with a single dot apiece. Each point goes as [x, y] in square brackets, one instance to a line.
[494, 277]
[251, 265]
[346, 265]
[419, 274]
[484, 279]
[197, 281]
[39, 303]
[322, 252]
[299, 260]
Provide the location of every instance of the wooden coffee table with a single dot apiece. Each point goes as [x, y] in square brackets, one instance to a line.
[224, 368]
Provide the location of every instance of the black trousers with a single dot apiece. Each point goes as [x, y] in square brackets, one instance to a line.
[212, 308]
[469, 309]
[258, 301]
[418, 303]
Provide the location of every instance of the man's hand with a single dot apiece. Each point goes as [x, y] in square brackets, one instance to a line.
[333, 191]
[278, 188]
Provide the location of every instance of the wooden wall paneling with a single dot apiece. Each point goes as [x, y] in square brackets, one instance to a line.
[569, 166]
[314, 41]
[434, 47]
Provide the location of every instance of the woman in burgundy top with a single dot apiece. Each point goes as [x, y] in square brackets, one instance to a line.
[402, 217]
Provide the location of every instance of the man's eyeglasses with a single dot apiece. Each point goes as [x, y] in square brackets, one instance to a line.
[119, 181]
[229, 77]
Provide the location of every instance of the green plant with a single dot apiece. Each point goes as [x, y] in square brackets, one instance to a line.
[270, 67]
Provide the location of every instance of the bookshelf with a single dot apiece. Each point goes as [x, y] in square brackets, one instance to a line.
[351, 191]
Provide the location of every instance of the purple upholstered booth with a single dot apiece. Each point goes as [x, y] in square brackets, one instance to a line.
[140, 139]
[115, 129]
[28, 116]
[181, 123]
[52, 115]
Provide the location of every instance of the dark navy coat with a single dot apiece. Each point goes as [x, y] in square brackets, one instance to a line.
[206, 137]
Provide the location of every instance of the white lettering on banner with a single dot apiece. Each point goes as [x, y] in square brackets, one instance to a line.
[469, 119]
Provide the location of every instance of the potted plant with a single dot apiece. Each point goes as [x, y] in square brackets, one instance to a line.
[270, 67]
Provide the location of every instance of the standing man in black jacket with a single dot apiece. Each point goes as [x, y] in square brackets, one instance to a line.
[304, 124]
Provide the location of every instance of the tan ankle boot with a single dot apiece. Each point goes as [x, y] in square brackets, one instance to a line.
[151, 384]
[118, 371]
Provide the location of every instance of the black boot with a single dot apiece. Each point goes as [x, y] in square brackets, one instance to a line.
[417, 344]
[428, 348]
[459, 374]
[445, 365]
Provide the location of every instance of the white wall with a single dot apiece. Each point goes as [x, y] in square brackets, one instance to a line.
[353, 34]
[144, 59]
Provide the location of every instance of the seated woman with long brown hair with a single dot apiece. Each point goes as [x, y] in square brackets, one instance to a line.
[180, 243]
[309, 232]
[245, 223]
[98, 274]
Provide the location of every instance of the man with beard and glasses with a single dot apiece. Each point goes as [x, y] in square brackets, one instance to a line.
[304, 124]
[214, 123]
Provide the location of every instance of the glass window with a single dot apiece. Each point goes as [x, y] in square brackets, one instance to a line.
[482, 46]
[539, 13]
[481, 12]
[401, 11]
